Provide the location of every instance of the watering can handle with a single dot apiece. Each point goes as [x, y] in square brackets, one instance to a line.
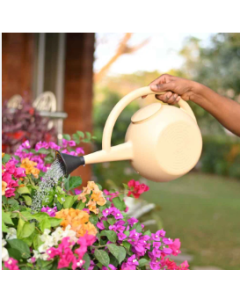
[119, 107]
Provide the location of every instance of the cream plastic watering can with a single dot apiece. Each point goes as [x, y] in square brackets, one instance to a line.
[162, 142]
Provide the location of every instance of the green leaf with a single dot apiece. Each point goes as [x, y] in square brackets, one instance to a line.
[21, 246]
[138, 227]
[67, 137]
[44, 264]
[45, 224]
[49, 158]
[88, 135]
[102, 257]
[76, 138]
[118, 251]
[38, 216]
[86, 258]
[28, 200]
[111, 220]
[27, 230]
[110, 234]
[6, 217]
[4, 227]
[43, 151]
[4, 200]
[93, 219]
[59, 205]
[118, 203]
[69, 201]
[142, 262]
[23, 190]
[80, 205]
[14, 204]
[74, 182]
[54, 221]
[125, 186]
[126, 232]
[127, 245]
[106, 224]
[37, 242]
[80, 134]
[14, 253]
[148, 232]
[6, 158]
[20, 225]
[29, 240]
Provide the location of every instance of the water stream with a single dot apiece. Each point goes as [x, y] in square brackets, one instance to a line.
[51, 177]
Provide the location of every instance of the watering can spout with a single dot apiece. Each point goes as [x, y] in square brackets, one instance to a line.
[69, 163]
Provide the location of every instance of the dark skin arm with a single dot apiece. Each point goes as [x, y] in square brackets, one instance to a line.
[225, 110]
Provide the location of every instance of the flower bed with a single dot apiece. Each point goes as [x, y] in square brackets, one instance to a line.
[84, 230]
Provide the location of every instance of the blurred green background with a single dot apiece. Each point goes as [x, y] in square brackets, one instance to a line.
[203, 207]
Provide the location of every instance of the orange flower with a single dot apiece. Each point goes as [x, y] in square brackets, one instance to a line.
[78, 219]
[4, 185]
[96, 196]
[29, 166]
[92, 206]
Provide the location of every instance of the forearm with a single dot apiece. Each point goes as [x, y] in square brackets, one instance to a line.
[225, 110]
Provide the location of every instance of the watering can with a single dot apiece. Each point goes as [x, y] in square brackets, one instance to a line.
[162, 142]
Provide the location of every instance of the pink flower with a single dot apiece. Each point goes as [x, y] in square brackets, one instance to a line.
[72, 143]
[175, 246]
[11, 264]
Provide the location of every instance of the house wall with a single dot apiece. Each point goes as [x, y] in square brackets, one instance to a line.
[78, 97]
[17, 64]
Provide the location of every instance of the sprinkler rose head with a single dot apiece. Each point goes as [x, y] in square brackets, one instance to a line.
[69, 163]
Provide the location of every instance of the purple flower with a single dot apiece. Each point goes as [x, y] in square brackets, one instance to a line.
[121, 236]
[113, 227]
[54, 146]
[26, 145]
[155, 265]
[50, 211]
[156, 253]
[156, 244]
[86, 210]
[132, 221]
[132, 260]
[79, 150]
[72, 143]
[77, 192]
[167, 241]
[64, 143]
[106, 212]
[127, 266]
[100, 225]
[156, 236]
[167, 251]
[120, 223]
[134, 235]
[40, 145]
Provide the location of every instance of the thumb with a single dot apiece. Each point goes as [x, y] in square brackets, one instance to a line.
[162, 87]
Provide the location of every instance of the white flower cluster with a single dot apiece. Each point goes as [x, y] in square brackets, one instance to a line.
[51, 240]
[12, 234]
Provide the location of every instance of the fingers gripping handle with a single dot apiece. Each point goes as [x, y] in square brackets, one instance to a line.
[119, 107]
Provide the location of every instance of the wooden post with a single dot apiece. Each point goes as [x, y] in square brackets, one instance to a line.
[17, 64]
[79, 89]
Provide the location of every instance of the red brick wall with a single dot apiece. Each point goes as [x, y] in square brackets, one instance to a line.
[17, 64]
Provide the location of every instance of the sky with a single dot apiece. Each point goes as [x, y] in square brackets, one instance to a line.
[161, 52]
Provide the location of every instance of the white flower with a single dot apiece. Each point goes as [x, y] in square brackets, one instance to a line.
[57, 235]
[12, 233]
[5, 255]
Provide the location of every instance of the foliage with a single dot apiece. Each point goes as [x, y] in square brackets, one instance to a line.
[215, 65]
[86, 230]
[24, 124]
[101, 113]
[221, 156]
